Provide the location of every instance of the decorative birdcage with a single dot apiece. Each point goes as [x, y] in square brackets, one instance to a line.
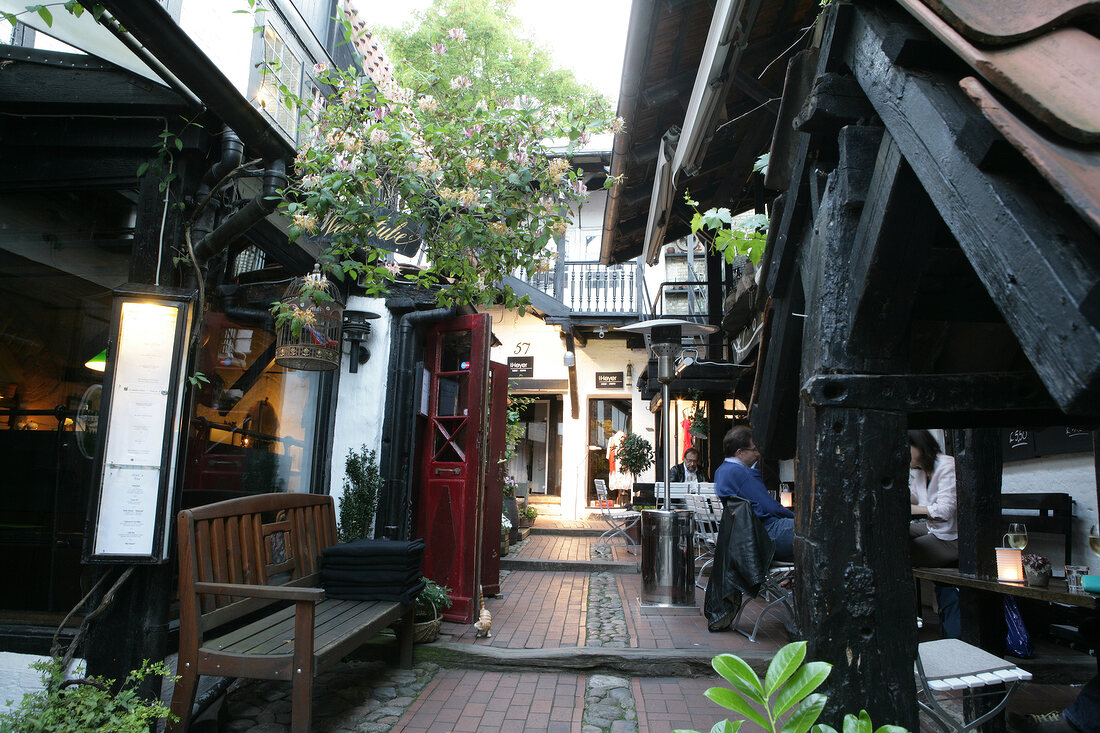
[316, 345]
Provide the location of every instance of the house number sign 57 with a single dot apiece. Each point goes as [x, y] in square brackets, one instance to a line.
[522, 347]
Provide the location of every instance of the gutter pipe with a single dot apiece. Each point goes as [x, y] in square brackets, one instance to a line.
[399, 437]
[150, 60]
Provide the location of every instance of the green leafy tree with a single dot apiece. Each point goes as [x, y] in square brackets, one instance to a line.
[505, 61]
[464, 160]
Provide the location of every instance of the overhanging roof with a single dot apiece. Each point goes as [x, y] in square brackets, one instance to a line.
[712, 75]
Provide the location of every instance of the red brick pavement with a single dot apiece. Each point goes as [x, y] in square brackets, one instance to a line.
[537, 610]
[675, 703]
[490, 702]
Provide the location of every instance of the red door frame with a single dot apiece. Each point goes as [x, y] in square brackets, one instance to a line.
[494, 479]
[451, 502]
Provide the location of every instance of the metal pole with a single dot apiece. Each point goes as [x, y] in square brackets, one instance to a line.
[667, 414]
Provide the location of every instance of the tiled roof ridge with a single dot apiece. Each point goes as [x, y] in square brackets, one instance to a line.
[375, 63]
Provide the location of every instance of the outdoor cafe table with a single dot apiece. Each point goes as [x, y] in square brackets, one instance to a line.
[1055, 592]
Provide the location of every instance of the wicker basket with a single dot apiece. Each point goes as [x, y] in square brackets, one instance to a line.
[425, 632]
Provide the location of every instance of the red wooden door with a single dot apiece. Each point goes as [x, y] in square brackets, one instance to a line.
[494, 479]
[452, 447]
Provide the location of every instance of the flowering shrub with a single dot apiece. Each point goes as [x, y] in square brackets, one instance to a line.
[509, 486]
[471, 175]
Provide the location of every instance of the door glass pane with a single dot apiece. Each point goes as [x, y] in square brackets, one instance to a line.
[51, 323]
[450, 436]
[454, 352]
[605, 419]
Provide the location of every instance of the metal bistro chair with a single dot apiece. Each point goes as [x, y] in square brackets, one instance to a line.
[617, 524]
[774, 595]
[707, 519]
[950, 664]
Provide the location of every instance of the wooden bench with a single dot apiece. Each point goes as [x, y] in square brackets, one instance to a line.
[1043, 513]
[251, 604]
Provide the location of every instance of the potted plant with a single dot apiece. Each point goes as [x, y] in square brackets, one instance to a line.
[511, 508]
[1037, 570]
[527, 516]
[634, 455]
[362, 483]
[505, 533]
[430, 604]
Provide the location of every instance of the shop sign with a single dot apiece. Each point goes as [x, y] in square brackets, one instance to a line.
[521, 366]
[389, 233]
[609, 380]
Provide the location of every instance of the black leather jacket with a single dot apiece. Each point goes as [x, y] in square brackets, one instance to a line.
[742, 557]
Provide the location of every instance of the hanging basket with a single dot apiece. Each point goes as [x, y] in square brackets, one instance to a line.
[316, 347]
[425, 632]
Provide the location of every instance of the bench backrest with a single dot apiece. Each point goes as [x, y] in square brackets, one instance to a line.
[266, 539]
[1042, 512]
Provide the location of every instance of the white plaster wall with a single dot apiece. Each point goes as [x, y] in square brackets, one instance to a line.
[224, 36]
[546, 345]
[1073, 474]
[18, 678]
[361, 397]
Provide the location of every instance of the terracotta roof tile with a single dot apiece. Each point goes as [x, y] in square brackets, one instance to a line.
[1008, 21]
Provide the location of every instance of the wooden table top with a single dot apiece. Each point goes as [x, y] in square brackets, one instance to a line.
[1056, 592]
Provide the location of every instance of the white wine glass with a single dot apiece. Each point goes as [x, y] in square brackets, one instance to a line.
[1017, 536]
[1094, 539]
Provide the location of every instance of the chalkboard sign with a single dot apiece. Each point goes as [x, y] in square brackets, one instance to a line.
[1021, 444]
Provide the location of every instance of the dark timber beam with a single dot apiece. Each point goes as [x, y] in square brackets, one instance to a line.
[894, 236]
[928, 392]
[1036, 259]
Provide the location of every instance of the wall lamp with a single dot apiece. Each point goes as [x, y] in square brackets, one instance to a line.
[356, 331]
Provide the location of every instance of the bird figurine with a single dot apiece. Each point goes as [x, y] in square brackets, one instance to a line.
[484, 624]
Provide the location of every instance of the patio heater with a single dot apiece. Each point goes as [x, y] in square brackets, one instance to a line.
[668, 572]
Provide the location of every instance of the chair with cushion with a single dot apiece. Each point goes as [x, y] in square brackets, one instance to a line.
[617, 522]
[947, 665]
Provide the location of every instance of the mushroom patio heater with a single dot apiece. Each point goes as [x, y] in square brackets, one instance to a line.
[668, 572]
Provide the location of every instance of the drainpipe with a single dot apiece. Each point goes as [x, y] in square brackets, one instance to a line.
[231, 157]
[395, 505]
[262, 204]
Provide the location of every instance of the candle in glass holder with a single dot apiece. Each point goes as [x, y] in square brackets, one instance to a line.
[786, 498]
[1010, 566]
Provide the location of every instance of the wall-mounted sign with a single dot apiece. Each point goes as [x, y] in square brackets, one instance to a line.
[1022, 444]
[142, 399]
[521, 366]
[389, 233]
[609, 380]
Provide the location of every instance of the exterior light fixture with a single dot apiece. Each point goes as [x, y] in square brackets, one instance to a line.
[570, 359]
[356, 331]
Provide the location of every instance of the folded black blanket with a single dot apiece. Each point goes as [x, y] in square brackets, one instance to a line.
[383, 564]
[392, 549]
[394, 578]
[355, 592]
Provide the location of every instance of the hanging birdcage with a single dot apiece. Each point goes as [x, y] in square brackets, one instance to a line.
[316, 346]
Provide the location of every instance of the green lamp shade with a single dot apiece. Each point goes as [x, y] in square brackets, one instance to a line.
[98, 363]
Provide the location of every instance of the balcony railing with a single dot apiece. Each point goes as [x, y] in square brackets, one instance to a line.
[589, 287]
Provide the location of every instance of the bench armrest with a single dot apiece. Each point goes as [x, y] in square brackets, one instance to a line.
[274, 592]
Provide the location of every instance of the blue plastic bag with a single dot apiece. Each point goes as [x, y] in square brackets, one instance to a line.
[1017, 641]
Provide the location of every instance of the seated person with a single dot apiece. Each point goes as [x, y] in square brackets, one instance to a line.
[688, 470]
[934, 531]
[738, 477]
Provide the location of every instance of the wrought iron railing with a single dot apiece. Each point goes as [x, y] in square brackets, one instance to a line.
[589, 287]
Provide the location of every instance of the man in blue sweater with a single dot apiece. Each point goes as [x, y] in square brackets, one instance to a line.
[737, 476]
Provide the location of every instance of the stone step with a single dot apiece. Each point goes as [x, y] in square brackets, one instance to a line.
[570, 566]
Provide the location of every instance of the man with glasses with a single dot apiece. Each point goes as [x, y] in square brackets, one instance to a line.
[738, 476]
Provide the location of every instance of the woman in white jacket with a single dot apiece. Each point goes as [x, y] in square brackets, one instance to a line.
[934, 529]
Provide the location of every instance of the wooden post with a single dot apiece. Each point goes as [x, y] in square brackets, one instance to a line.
[855, 593]
[978, 465]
